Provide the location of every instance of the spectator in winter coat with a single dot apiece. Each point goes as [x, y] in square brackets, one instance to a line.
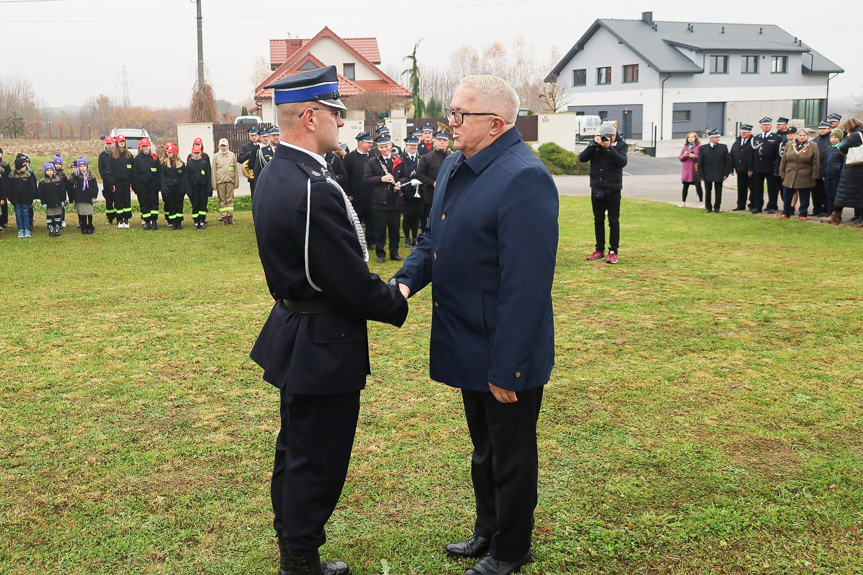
[607, 157]
[689, 168]
[714, 167]
[833, 169]
[85, 190]
[21, 193]
[849, 194]
[226, 179]
[798, 169]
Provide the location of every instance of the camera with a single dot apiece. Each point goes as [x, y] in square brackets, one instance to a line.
[603, 138]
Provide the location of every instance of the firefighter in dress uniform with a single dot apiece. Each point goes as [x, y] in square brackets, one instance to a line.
[314, 345]
[765, 150]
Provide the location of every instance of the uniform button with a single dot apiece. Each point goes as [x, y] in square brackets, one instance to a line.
[343, 335]
[518, 374]
[434, 255]
[437, 304]
[443, 216]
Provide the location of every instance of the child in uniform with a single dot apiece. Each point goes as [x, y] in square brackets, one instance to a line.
[174, 185]
[52, 193]
[85, 190]
[199, 185]
[58, 171]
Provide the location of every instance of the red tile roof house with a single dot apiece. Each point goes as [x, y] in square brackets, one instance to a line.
[364, 88]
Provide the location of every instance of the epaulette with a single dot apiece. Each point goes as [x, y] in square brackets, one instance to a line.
[316, 173]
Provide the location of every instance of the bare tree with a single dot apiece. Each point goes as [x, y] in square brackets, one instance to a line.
[260, 72]
[553, 95]
[17, 94]
[203, 107]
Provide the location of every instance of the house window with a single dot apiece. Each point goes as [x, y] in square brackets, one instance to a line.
[749, 65]
[779, 64]
[681, 116]
[309, 65]
[630, 74]
[603, 115]
[809, 110]
[349, 71]
[603, 75]
[579, 77]
[719, 64]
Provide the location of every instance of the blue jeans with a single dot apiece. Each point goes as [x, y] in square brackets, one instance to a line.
[22, 217]
[788, 196]
[830, 187]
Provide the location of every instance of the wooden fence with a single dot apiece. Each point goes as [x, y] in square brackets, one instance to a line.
[48, 130]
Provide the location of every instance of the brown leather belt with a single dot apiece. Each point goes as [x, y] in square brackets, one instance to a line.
[308, 306]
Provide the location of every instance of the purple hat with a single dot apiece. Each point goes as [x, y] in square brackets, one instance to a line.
[58, 159]
[48, 166]
[82, 161]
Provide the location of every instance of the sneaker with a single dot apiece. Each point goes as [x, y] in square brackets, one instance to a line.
[612, 258]
[595, 256]
[120, 225]
[681, 205]
[701, 206]
[20, 233]
[783, 217]
[27, 234]
[802, 218]
[63, 224]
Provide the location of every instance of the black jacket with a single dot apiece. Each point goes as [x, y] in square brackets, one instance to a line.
[337, 170]
[765, 151]
[172, 178]
[741, 155]
[52, 192]
[106, 169]
[412, 195]
[824, 146]
[314, 353]
[198, 174]
[261, 158]
[246, 152]
[21, 188]
[355, 166]
[714, 163]
[606, 165]
[145, 168]
[384, 195]
[123, 169]
[427, 171]
[79, 194]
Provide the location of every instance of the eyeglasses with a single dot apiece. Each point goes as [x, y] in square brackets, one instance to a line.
[335, 113]
[457, 116]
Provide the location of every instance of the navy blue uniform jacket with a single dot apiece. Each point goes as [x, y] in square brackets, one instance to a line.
[320, 353]
[489, 251]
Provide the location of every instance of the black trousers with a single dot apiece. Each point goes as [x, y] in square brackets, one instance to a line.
[819, 198]
[4, 214]
[708, 193]
[602, 201]
[504, 468]
[313, 450]
[109, 194]
[685, 191]
[742, 190]
[386, 223]
[756, 198]
[173, 196]
[410, 226]
[148, 199]
[123, 201]
[251, 187]
[198, 198]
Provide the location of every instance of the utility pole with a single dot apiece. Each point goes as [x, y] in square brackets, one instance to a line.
[200, 47]
[125, 83]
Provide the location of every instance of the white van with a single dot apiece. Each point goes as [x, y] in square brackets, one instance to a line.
[586, 127]
[133, 136]
[250, 121]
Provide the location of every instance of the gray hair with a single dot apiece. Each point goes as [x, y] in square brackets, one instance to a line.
[502, 98]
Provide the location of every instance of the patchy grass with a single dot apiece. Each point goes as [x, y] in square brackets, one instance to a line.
[704, 415]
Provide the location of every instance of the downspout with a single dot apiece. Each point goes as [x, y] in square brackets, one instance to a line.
[662, 107]
[827, 97]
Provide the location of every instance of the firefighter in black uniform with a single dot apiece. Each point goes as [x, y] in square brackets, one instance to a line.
[741, 161]
[427, 170]
[314, 345]
[426, 140]
[146, 181]
[383, 175]
[765, 149]
[106, 170]
[266, 152]
[355, 166]
[247, 153]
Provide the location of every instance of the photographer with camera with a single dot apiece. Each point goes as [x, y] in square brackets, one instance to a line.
[607, 157]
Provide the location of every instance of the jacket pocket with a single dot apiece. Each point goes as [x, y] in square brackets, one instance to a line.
[336, 328]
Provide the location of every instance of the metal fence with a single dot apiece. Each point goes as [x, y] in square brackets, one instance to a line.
[236, 135]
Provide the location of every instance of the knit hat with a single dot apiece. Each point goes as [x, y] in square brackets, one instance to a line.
[837, 133]
[48, 166]
[58, 159]
[19, 163]
[82, 161]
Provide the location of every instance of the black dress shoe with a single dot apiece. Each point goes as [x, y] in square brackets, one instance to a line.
[476, 546]
[718, 211]
[308, 563]
[491, 566]
[756, 211]
[739, 210]
[381, 259]
[397, 258]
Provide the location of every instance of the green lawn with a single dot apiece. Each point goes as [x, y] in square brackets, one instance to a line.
[704, 416]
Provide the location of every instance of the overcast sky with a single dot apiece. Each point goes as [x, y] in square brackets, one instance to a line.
[74, 49]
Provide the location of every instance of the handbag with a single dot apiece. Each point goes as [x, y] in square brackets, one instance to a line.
[854, 157]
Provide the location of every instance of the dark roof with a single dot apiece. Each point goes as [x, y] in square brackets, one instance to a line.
[657, 44]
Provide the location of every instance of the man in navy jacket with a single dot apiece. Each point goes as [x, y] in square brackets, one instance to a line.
[489, 251]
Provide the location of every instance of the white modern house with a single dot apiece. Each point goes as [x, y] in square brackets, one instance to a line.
[675, 77]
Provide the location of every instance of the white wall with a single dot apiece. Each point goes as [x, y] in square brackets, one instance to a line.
[186, 134]
[557, 128]
[602, 50]
[332, 53]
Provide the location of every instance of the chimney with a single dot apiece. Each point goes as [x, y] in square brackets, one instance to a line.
[647, 18]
